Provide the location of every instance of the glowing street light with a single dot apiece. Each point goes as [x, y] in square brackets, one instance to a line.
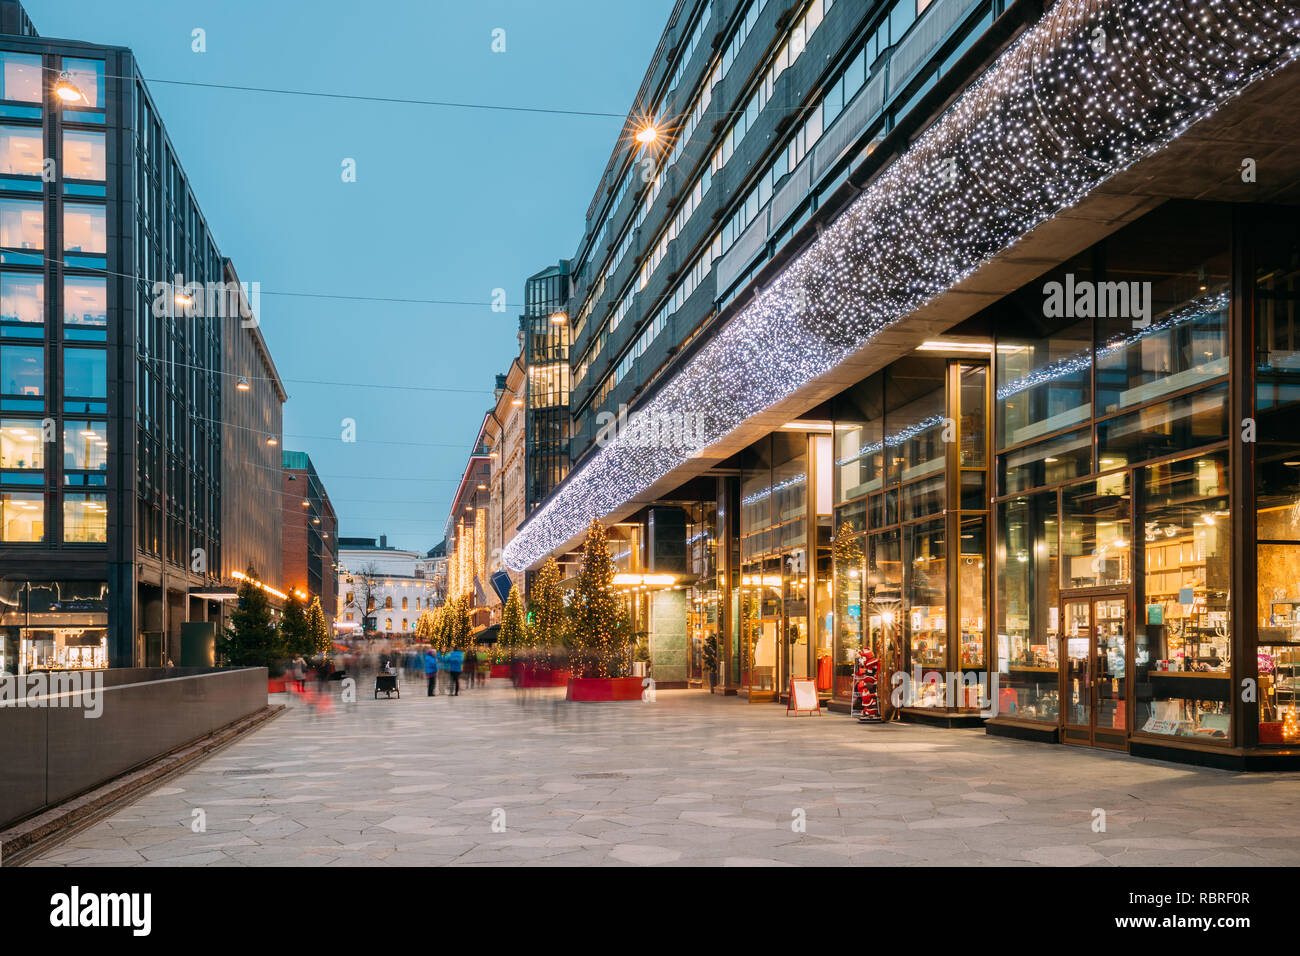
[647, 134]
[68, 91]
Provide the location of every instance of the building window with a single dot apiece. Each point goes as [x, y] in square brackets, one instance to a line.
[88, 75]
[22, 516]
[21, 77]
[21, 153]
[85, 308]
[85, 518]
[22, 224]
[388, 603]
[349, 616]
[403, 604]
[85, 373]
[388, 624]
[85, 446]
[83, 155]
[22, 370]
[404, 624]
[348, 600]
[22, 304]
[85, 229]
[21, 447]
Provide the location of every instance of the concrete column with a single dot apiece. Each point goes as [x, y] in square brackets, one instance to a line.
[668, 638]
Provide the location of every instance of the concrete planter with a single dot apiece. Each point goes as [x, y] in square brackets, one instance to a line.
[604, 688]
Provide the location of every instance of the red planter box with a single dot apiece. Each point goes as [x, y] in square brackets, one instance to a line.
[500, 670]
[604, 688]
[275, 685]
[536, 677]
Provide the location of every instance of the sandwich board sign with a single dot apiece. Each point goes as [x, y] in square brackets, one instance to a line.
[803, 697]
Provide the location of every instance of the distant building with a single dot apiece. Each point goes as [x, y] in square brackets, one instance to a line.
[310, 539]
[391, 586]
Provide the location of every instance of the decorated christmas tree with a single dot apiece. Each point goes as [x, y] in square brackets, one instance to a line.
[318, 630]
[546, 606]
[513, 632]
[597, 610]
[252, 638]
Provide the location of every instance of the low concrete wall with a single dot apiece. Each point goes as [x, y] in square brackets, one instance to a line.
[49, 754]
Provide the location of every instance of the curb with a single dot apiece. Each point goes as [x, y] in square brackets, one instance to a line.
[28, 837]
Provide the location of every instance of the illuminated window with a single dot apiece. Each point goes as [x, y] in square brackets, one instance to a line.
[22, 370]
[85, 518]
[21, 446]
[388, 603]
[22, 516]
[403, 604]
[20, 151]
[85, 446]
[22, 224]
[83, 154]
[20, 77]
[22, 304]
[88, 75]
[85, 229]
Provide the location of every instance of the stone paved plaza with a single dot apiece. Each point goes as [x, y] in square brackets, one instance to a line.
[688, 779]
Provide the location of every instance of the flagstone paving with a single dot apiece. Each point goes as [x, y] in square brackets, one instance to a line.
[494, 777]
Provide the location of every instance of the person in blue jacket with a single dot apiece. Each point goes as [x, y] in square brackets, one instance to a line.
[452, 661]
[431, 671]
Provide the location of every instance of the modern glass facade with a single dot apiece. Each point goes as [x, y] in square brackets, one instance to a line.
[546, 331]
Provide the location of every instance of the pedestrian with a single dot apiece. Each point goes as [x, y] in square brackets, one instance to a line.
[431, 671]
[299, 671]
[454, 661]
[471, 666]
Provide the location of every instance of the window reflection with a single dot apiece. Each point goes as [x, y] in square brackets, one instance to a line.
[927, 589]
[21, 77]
[85, 229]
[1028, 608]
[88, 75]
[1095, 540]
[85, 445]
[22, 370]
[85, 301]
[22, 224]
[21, 153]
[22, 302]
[83, 154]
[85, 373]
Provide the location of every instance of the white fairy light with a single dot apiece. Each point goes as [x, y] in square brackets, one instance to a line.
[1054, 117]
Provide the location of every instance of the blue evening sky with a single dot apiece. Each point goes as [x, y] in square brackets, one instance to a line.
[448, 203]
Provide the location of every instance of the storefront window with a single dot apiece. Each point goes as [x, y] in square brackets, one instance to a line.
[915, 419]
[859, 446]
[22, 516]
[1277, 477]
[972, 597]
[1028, 608]
[21, 153]
[1046, 463]
[85, 519]
[1189, 421]
[1163, 306]
[850, 588]
[1095, 539]
[1044, 361]
[884, 612]
[1182, 660]
[925, 550]
[789, 477]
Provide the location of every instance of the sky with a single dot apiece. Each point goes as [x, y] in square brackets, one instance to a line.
[447, 203]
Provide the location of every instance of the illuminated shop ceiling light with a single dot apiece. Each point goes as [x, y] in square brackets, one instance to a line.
[1053, 118]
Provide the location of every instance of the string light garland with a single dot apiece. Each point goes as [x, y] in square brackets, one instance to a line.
[1092, 88]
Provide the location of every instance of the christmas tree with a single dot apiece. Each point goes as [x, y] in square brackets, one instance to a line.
[318, 630]
[546, 605]
[252, 639]
[426, 626]
[597, 610]
[513, 632]
[293, 629]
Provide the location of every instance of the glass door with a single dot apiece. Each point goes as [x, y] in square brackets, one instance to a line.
[1077, 694]
[796, 647]
[1095, 642]
[764, 676]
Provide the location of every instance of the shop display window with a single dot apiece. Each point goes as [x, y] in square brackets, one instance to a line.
[1028, 608]
[1183, 655]
[926, 568]
[1095, 540]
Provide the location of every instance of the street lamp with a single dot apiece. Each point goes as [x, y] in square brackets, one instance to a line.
[647, 134]
[272, 440]
[558, 318]
[242, 385]
[68, 91]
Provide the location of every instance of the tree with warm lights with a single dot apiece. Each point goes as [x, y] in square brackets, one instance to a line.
[597, 612]
[514, 630]
[252, 639]
[318, 630]
[546, 605]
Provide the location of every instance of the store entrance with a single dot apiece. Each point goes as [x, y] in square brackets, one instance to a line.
[1094, 652]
